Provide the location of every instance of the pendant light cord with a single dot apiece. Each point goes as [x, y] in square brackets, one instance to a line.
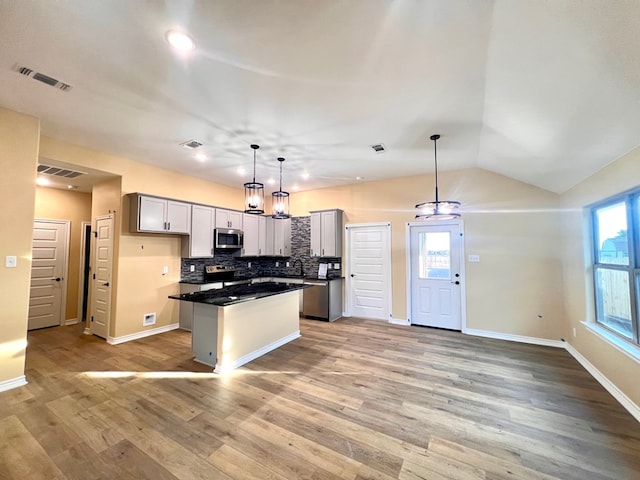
[435, 156]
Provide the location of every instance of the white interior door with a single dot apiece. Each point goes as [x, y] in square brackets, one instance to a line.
[436, 276]
[47, 295]
[369, 270]
[102, 265]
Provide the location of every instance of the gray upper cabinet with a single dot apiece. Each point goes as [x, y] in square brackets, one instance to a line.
[254, 229]
[326, 233]
[200, 242]
[228, 219]
[278, 242]
[148, 214]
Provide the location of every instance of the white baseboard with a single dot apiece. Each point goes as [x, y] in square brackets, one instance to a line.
[13, 383]
[399, 321]
[257, 353]
[625, 401]
[71, 321]
[514, 338]
[618, 394]
[144, 333]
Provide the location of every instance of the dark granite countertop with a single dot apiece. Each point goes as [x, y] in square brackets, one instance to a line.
[234, 294]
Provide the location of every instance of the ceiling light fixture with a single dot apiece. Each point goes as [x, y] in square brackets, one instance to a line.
[180, 41]
[280, 199]
[253, 191]
[439, 209]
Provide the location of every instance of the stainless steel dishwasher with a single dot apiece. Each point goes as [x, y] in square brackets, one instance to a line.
[322, 299]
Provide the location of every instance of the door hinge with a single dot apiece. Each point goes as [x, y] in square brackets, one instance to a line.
[94, 276]
[95, 234]
[92, 318]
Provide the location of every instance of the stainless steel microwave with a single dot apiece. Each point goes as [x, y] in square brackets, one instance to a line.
[228, 238]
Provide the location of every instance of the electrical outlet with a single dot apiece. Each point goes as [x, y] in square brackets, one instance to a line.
[336, 266]
[148, 319]
[192, 268]
[277, 264]
[165, 270]
[474, 258]
[288, 264]
[248, 264]
[328, 266]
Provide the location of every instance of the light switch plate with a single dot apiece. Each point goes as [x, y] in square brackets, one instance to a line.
[336, 266]
[165, 270]
[474, 258]
[11, 261]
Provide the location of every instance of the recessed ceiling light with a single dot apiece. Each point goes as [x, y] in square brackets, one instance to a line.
[359, 178]
[305, 176]
[271, 181]
[241, 171]
[295, 188]
[180, 41]
[71, 187]
[42, 181]
[201, 156]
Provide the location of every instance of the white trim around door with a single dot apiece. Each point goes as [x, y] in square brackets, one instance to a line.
[463, 304]
[368, 270]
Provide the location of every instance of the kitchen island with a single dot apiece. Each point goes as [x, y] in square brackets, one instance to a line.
[236, 324]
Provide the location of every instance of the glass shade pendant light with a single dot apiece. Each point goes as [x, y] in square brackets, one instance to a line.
[253, 191]
[280, 199]
[438, 209]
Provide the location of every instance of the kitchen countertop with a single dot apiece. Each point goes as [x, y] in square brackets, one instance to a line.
[234, 294]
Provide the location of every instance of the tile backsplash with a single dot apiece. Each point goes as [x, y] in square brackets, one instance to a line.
[266, 266]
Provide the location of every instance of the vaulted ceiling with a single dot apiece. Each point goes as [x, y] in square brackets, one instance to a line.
[546, 92]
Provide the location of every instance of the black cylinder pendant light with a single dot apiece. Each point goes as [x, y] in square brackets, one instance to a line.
[280, 199]
[254, 191]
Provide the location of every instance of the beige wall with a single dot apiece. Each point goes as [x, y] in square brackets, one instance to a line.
[19, 137]
[619, 176]
[517, 286]
[58, 204]
[139, 259]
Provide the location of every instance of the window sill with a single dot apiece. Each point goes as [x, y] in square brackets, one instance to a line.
[631, 350]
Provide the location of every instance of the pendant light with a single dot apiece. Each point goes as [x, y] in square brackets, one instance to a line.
[253, 191]
[438, 209]
[280, 199]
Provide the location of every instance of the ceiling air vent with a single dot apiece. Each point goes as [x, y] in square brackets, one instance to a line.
[191, 144]
[59, 172]
[41, 77]
[379, 148]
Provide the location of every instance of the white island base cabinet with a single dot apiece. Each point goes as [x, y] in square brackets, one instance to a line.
[228, 337]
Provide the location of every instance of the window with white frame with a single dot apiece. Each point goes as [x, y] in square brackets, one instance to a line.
[616, 270]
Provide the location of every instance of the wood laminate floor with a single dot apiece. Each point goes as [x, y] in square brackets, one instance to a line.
[354, 399]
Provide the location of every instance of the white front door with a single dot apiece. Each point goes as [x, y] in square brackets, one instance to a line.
[369, 271]
[47, 295]
[101, 292]
[435, 256]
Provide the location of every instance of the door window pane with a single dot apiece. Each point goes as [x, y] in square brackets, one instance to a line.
[614, 301]
[435, 255]
[612, 242]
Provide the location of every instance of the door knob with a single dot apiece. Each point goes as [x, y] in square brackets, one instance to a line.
[58, 279]
[353, 274]
[105, 284]
[456, 282]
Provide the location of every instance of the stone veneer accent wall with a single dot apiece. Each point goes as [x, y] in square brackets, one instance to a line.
[266, 266]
